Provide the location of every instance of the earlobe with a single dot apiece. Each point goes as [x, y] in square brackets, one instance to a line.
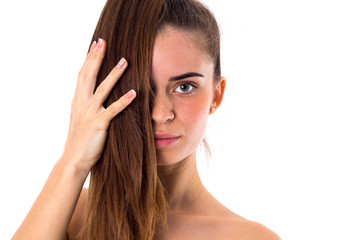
[219, 93]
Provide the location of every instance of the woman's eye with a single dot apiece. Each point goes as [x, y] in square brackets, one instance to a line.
[184, 88]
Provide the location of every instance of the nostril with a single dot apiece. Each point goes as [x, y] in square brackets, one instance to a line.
[162, 115]
[162, 108]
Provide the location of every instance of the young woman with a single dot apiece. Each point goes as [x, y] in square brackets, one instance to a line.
[136, 128]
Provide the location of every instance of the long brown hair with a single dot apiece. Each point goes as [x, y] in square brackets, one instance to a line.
[126, 198]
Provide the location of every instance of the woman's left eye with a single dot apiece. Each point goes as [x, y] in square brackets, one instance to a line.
[185, 88]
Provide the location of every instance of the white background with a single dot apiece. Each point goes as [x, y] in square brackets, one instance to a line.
[285, 142]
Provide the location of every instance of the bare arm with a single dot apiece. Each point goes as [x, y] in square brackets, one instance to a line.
[51, 213]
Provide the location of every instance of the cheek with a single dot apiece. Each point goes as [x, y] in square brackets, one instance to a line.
[194, 113]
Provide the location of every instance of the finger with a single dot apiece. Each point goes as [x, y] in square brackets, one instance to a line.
[89, 71]
[104, 89]
[116, 107]
[81, 75]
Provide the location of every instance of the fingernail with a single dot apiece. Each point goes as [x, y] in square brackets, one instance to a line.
[100, 43]
[130, 94]
[121, 63]
[93, 45]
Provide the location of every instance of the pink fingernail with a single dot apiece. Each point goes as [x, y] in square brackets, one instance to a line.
[121, 63]
[100, 43]
[130, 94]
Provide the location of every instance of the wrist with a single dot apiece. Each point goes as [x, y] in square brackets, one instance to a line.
[73, 166]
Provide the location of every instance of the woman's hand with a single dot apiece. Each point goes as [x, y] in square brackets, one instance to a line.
[50, 215]
[89, 120]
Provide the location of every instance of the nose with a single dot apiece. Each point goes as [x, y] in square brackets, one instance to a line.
[162, 111]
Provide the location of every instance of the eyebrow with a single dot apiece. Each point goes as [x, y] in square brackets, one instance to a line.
[185, 75]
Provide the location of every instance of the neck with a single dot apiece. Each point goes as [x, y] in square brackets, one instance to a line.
[182, 183]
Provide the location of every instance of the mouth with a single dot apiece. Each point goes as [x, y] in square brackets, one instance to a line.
[165, 139]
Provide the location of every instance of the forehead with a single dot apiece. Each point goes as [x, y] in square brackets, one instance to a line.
[177, 51]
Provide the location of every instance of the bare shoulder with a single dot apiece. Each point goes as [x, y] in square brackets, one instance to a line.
[238, 227]
[78, 216]
[251, 230]
[233, 226]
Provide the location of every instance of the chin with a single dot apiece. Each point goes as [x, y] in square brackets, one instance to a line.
[164, 158]
[163, 162]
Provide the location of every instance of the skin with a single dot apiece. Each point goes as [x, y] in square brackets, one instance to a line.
[183, 113]
[59, 210]
[192, 206]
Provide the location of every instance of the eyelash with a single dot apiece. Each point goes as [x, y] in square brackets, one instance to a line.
[194, 86]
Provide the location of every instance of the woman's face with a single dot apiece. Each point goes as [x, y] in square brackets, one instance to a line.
[184, 92]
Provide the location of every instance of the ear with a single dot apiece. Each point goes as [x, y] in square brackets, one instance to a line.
[219, 91]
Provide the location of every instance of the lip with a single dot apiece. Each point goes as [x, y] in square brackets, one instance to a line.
[165, 139]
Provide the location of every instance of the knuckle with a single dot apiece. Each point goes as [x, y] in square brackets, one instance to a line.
[121, 102]
[95, 55]
[114, 74]
[83, 75]
[108, 114]
[100, 55]
[101, 90]
[112, 110]
[80, 74]
[101, 123]
[90, 56]
[119, 105]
